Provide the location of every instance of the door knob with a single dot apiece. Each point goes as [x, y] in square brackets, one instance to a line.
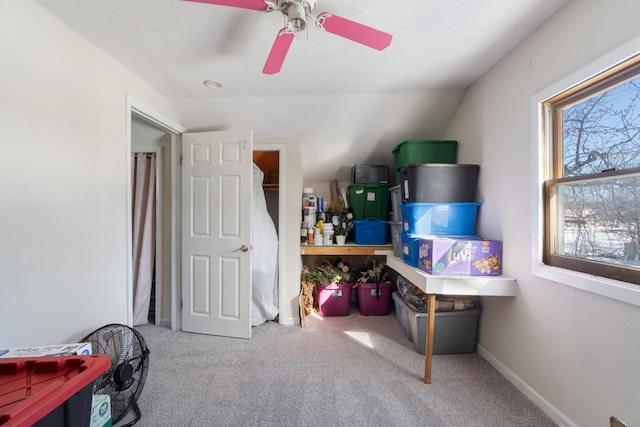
[243, 248]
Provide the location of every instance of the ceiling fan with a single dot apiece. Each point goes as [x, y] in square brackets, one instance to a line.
[298, 12]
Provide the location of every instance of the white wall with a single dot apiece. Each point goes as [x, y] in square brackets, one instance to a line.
[62, 179]
[574, 351]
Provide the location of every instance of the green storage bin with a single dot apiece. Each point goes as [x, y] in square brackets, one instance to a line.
[369, 201]
[423, 151]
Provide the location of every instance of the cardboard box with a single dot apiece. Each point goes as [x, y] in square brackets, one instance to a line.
[460, 257]
[101, 411]
[75, 349]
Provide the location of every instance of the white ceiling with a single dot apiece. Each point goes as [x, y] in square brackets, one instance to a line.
[337, 97]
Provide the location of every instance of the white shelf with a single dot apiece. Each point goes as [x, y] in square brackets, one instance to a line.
[503, 286]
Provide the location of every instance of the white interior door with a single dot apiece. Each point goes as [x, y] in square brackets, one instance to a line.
[216, 234]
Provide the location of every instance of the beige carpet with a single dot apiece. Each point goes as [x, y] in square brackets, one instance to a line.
[337, 371]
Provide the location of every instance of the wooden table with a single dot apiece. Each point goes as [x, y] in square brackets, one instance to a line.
[433, 285]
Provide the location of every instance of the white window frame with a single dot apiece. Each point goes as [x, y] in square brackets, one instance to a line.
[621, 291]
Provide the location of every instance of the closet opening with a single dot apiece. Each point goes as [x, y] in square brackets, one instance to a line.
[265, 237]
[269, 163]
[150, 223]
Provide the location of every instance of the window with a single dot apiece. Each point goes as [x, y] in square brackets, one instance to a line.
[592, 194]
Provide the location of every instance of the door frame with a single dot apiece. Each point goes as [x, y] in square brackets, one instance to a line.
[140, 110]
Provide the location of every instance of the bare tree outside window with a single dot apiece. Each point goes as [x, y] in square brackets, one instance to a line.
[603, 132]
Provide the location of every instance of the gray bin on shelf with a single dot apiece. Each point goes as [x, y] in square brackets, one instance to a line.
[396, 238]
[439, 183]
[370, 174]
[401, 316]
[455, 332]
[395, 198]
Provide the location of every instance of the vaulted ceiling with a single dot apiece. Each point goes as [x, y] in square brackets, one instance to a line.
[345, 102]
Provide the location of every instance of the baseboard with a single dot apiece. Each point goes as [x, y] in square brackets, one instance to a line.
[289, 321]
[558, 417]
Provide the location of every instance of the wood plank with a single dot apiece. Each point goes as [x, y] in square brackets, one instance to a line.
[343, 249]
[428, 355]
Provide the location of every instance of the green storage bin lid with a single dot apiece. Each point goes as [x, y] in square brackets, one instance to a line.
[424, 141]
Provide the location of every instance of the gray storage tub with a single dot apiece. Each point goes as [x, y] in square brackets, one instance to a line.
[439, 182]
[455, 332]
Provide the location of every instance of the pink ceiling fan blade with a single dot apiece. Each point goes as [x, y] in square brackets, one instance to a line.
[354, 31]
[243, 4]
[278, 51]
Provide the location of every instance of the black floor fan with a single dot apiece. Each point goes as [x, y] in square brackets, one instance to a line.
[124, 381]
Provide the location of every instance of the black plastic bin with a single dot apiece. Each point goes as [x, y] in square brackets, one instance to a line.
[370, 174]
[49, 391]
[439, 182]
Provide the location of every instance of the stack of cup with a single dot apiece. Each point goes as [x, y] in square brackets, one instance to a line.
[327, 229]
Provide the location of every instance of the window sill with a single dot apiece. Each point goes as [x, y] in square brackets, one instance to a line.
[620, 291]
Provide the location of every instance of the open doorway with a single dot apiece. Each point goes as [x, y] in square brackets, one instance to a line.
[151, 275]
[269, 163]
[270, 157]
[265, 305]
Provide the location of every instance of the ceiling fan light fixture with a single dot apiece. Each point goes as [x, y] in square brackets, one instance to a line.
[297, 16]
[298, 25]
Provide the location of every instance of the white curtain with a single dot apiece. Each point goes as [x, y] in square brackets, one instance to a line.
[143, 172]
[264, 257]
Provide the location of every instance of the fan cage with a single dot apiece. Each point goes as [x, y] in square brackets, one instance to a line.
[126, 377]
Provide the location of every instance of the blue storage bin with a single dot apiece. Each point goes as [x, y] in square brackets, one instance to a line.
[440, 219]
[410, 249]
[370, 231]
